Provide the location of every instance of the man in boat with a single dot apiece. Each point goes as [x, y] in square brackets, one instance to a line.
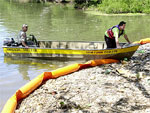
[25, 41]
[111, 35]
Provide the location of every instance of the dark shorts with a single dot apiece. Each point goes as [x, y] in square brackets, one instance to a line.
[111, 43]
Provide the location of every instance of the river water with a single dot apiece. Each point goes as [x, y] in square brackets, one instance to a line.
[53, 22]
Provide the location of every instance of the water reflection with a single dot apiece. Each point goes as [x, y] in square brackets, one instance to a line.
[23, 70]
[24, 65]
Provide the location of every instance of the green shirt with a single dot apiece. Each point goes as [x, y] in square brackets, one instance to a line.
[115, 31]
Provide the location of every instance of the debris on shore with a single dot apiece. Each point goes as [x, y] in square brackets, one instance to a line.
[112, 88]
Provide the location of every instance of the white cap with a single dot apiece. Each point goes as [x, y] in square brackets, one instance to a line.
[24, 25]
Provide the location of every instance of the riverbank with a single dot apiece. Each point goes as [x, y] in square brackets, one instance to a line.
[96, 12]
[118, 87]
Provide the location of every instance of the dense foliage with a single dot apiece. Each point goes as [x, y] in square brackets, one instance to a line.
[118, 6]
[105, 6]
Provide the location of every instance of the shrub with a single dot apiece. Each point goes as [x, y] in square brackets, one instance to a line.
[125, 6]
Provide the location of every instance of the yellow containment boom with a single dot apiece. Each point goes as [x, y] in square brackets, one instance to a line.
[142, 41]
[24, 91]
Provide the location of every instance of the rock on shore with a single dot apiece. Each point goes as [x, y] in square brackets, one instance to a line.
[113, 88]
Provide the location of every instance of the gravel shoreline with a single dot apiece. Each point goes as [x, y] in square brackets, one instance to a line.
[112, 88]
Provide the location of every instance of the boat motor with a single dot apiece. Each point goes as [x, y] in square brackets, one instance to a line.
[8, 42]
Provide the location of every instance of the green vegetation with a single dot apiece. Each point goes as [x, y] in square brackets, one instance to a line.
[116, 6]
[105, 6]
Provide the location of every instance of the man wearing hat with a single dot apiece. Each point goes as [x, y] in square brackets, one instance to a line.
[111, 35]
[25, 41]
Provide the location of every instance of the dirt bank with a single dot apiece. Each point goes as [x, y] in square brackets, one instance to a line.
[112, 88]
